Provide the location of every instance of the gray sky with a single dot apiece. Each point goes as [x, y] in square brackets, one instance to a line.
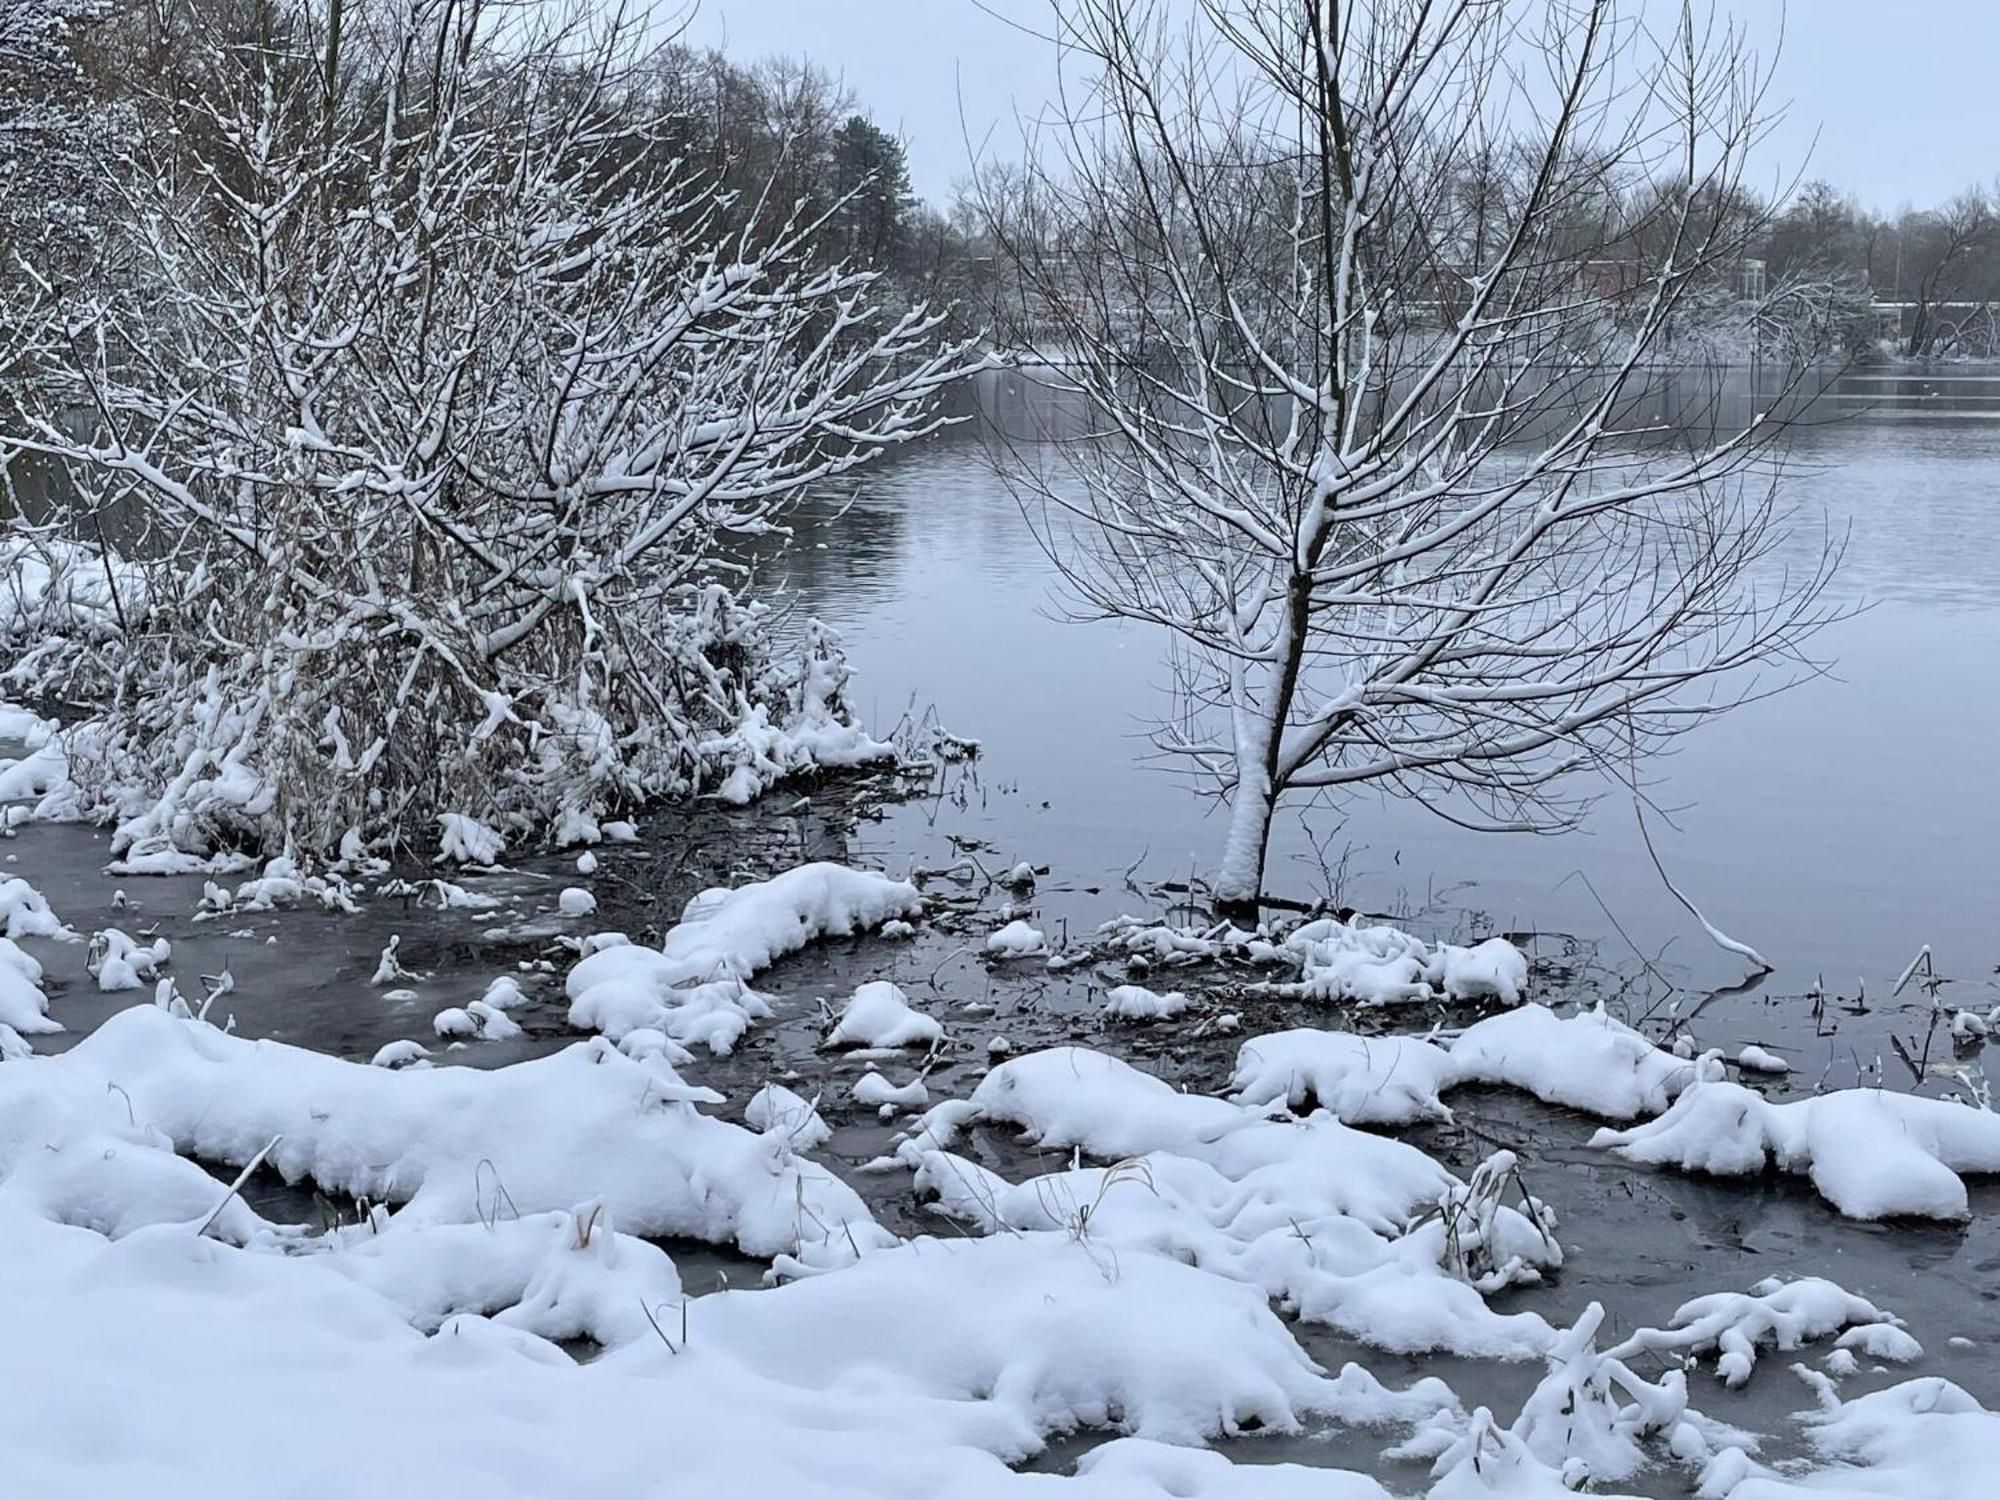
[1904, 97]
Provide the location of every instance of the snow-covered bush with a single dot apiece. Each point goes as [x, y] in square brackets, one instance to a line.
[434, 414]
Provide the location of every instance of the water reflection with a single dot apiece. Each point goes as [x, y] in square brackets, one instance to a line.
[1837, 826]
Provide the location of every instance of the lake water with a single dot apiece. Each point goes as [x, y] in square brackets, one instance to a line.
[1837, 827]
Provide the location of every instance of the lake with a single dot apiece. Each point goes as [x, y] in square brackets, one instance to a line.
[1837, 827]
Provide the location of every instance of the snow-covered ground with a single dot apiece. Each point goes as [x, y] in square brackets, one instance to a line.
[500, 1311]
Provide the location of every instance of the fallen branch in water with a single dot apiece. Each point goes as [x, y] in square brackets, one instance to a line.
[1721, 939]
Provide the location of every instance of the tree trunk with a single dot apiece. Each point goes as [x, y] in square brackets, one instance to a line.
[1240, 882]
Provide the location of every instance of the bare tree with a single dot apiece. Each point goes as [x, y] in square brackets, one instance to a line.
[56, 138]
[1371, 328]
[1943, 270]
[427, 415]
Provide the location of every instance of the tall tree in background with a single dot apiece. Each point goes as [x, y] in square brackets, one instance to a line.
[1944, 270]
[871, 177]
[1390, 461]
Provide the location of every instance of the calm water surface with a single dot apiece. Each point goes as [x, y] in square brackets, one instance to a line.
[1837, 827]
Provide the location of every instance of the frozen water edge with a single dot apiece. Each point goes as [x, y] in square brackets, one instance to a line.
[916, 1434]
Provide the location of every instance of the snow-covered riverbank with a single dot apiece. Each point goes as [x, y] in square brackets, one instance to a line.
[1106, 1253]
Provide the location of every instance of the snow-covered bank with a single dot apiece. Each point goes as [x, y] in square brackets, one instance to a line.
[693, 988]
[1157, 1274]
[188, 772]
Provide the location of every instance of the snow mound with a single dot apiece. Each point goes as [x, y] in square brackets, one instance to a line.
[776, 1110]
[875, 1091]
[1378, 1247]
[879, 1014]
[120, 962]
[694, 987]
[1784, 1315]
[1590, 1062]
[487, 1023]
[1017, 940]
[1924, 1437]
[1134, 1002]
[26, 913]
[1047, 1330]
[1872, 1154]
[24, 1009]
[454, 1144]
[1588, 1423]
[464, 840]
[1361, 1080]
[1072, 1096]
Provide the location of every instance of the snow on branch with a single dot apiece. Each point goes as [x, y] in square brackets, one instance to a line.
[1411, 433]
[429, 418]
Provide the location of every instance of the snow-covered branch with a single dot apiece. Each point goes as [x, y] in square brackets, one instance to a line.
[1395, 426]
[429, 411]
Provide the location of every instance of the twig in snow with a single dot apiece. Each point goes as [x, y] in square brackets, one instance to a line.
[237, 1186]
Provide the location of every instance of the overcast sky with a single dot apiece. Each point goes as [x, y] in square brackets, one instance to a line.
[1904, 98]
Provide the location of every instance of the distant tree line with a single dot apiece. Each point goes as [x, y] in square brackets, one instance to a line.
[78, 78]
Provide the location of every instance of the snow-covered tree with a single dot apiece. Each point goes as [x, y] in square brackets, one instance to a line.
[427, 418]
[1372, 344]
[54, 137]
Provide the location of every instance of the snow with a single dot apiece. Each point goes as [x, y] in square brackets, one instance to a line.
[1585, 1425]
[1372, 965]
[1871, 1153]
[488, 1023]
[576, 902]
[1072, 1096]
[464, 840]
[26, 913]
[1925, 1437]
[504, 993]
[815, 732]
[1492, 970]
[282, 884]
[1361, 1080]
[1757, 1060]
[918, 1369]
[875, 1091]
[1134, 1002]
[449, 1142]
[1590, 1061]
[1364, 1249]
[879, 1014]
[694, 987]
[1140, 1286]
[1358, 962]
[1783, 1315]
[120, 962]
[24, 1008]
[777, 1110]
[1016, 940]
